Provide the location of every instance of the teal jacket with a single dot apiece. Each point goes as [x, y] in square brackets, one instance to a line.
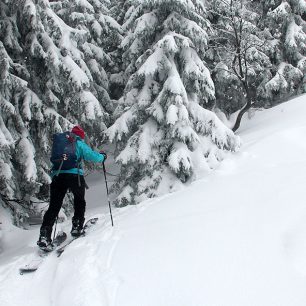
[83, 151]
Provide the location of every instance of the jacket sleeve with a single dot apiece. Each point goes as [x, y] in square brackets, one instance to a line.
[88, 154]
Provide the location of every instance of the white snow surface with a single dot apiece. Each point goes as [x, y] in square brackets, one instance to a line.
[236, 237]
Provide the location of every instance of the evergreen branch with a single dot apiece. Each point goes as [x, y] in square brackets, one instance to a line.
[7, 200]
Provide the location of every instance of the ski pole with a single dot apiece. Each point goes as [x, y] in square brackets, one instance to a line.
[55, 227]
[109, 205]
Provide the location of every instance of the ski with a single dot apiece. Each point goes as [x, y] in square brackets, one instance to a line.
[88, 224]
[60, 238]
[34, 263]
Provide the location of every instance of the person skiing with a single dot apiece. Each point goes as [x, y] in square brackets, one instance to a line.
[68, 174]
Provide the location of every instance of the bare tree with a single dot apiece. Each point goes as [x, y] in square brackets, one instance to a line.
[241, 49]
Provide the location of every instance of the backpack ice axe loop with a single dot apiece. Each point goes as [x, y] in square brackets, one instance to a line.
[65, 157]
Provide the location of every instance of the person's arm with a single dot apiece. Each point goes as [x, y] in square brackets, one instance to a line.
[90, 155]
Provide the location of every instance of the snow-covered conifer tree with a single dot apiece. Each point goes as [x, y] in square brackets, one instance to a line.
[118, 10]
[121, 11]
[18, 106]
[45, 87]
[286, 23]
[103, 37]
[164, 129]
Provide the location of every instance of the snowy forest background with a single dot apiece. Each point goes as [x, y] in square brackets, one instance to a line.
[166, 81]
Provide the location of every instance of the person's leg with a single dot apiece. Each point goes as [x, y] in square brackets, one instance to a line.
[78, 191]
[58, 189]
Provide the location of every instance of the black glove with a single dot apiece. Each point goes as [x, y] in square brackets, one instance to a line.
[104, 154]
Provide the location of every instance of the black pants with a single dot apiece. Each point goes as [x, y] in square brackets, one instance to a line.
[58, 189]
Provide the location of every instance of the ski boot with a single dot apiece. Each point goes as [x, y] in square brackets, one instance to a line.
[77, 227]
[45, 242]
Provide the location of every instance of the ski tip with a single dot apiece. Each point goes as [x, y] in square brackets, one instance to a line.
[23, 271]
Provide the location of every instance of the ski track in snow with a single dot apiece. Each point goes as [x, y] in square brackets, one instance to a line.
[237, 237]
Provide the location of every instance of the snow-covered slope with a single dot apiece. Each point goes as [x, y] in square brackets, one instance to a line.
[235, 238]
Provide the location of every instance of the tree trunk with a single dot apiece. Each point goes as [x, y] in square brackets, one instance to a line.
[240, 115]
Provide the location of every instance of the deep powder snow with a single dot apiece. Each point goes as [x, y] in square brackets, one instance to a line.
[236, 237]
